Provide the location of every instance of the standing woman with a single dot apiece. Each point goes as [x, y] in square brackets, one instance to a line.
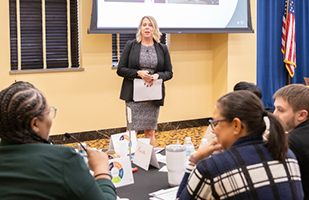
[146, 58]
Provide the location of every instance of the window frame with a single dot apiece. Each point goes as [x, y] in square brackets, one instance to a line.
[23, 15]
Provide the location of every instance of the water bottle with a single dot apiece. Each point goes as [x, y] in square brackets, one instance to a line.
[204, 141]
[189, 147]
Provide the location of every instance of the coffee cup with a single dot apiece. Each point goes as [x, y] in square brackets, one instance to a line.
[121, 147]
[176, 163]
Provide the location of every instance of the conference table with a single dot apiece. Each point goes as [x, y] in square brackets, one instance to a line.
[145, 182]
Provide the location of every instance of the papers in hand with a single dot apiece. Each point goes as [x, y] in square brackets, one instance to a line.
[143, 93]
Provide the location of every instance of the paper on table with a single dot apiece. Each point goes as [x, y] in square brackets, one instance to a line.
[145, 156]
[163, 169]
[166, 194]
[158, 149]
[143, 93]
[118, 198]
[161, 158]
[121, 171]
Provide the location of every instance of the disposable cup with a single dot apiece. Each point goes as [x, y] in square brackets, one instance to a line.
[121, 147]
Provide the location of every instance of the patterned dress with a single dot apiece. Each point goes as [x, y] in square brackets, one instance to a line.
[145, 114]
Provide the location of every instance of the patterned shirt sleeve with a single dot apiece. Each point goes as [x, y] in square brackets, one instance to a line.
[194, 184]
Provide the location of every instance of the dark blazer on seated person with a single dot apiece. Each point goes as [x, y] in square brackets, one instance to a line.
[129, 65]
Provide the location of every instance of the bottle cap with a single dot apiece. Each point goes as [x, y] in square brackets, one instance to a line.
[188, 138]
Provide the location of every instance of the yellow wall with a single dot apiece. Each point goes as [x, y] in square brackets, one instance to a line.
[242, 54]
[220, 65]
[205, 67]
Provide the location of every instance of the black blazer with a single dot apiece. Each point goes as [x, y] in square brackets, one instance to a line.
[129, 65]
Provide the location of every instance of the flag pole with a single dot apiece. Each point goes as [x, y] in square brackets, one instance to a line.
[288, 78]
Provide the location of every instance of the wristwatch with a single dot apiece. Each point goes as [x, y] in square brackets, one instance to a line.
[193, 159]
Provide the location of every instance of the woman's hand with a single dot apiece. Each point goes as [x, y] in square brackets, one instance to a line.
[207, 150]
[149, 79]
[154, 77]
[98, 163]
[144, 74]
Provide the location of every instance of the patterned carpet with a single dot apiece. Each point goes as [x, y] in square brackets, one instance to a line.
[162, 138]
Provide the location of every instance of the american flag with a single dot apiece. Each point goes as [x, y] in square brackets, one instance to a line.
[288, 45]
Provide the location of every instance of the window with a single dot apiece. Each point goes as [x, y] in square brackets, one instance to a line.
[118, 43]
[120, 40]
[44, 34]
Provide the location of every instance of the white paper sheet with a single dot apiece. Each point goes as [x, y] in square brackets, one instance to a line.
[143, 93]
[166, 194]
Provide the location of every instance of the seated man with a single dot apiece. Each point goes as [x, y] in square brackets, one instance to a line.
[292, 107]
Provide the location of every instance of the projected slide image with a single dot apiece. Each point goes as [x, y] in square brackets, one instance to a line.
[138, 1]
[205, 2]
[172, 16]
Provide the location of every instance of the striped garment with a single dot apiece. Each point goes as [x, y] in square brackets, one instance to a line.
[245, 171]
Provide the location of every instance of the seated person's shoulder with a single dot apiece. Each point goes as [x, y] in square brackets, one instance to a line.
[290, 154]
[301, 137]
[58, 149]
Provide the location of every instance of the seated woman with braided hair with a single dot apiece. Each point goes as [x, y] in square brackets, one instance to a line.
[32, 168]
[249, 168]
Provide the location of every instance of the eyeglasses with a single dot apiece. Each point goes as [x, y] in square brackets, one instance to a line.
[52, 112]
[214, 123]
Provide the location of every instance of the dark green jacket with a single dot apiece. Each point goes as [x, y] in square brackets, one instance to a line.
[43, 171]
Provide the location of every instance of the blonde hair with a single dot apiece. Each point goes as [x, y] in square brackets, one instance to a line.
[156, 32]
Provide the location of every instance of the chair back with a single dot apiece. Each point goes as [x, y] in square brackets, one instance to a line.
[306, 80]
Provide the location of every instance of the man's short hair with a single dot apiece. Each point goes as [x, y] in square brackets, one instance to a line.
[243, 85]
[297, 96]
